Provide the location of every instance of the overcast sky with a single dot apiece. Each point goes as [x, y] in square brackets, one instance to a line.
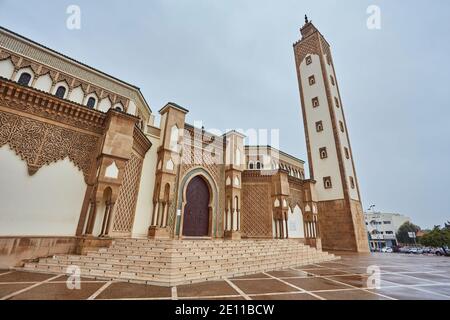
[231, 64]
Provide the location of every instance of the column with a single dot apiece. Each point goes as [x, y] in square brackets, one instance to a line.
[286, 225]
[232, 219]
[155, 213]
[110, 222]
[92, 216]
[227, 225]
[105, 219]
[165, 214]
[276, 229]
[160, 212]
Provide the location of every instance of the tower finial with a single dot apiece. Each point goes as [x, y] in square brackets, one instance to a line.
[306, 19]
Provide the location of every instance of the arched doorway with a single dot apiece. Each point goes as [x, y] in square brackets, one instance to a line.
[196, 210]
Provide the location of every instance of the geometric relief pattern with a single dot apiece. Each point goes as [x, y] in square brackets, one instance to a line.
[127, 198]
[309, 46]
[39, 143]
[255, 214]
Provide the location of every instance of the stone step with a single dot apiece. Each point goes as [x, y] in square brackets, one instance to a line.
[136, 264]
[173, 262]
[181, 252]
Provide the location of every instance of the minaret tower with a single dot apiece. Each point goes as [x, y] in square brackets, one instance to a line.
[331, 165]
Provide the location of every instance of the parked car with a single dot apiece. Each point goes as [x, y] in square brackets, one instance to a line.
[412, 250]
[403, 250]
[387, 250]
[442, 251]
[427, 250]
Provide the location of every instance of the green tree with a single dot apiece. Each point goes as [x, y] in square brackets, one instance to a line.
[436, 238]
[402, 233]
[447, 225]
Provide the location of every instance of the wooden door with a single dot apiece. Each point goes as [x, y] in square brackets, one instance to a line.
[196, 210]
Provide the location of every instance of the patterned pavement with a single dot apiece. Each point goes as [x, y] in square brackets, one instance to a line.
[402, 277]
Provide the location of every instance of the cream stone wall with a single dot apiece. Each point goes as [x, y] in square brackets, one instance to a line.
[43, 83]
[322, 167]
[104, 105]
[343, 136]
[132, 108]
[47, 203]
[6, 68]
[76, 95]
[144, 206]
[295, 223]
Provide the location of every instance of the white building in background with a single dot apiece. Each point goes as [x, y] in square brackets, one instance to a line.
[382, 228]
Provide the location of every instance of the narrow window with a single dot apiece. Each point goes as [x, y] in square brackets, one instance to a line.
[258, 165]
[311, 80]
[308, 60]
[341, 125]
[24, 79]
[91, 103]
[250, 165]
[319, 126]
[347, 154]
[336, 101]
[352, 183]
[315, 102]
[332, 80]
[323, 153]
[60, 92]
[327, 183]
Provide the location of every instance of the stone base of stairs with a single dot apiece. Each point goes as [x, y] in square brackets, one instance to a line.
[176, 262]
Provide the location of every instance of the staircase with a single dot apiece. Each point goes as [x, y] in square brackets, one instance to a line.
[175, 262]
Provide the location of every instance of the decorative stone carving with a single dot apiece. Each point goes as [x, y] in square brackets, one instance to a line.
[39, 143]
[309, 45]
[126, 201]
[35, 102]
[256, 214]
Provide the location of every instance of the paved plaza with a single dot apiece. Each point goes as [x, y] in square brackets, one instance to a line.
[403, 277]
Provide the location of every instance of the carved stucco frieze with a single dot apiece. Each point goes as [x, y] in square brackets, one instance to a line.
[51, 73]
[27, 63]
[40, 143]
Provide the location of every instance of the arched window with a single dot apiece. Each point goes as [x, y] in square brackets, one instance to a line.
[251, 165]
[91, 102]
[24, 79]
[336, 101]
[258, 165]
[118, 108]
[60, 92]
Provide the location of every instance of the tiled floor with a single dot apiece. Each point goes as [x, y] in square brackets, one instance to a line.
[401, 277]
